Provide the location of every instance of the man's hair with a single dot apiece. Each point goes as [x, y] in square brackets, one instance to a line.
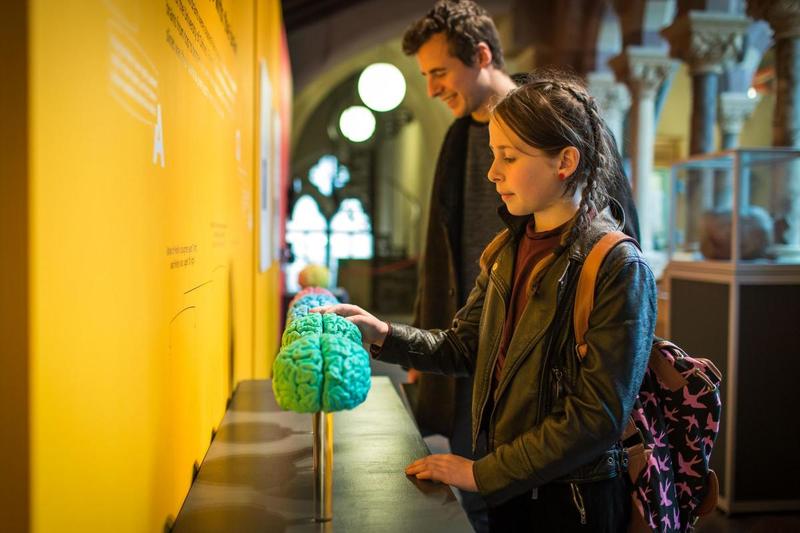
[465, 25]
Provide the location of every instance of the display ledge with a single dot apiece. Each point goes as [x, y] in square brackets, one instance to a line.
[744, 272]
[257, 474]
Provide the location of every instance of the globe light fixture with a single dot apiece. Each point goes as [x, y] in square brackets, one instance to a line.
[357, 123]
[382, 86]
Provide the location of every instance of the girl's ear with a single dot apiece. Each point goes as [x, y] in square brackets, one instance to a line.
[568, 161]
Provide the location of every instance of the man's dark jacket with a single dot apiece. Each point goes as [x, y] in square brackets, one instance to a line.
[438, 289]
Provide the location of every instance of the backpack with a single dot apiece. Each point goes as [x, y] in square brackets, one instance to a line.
[673, 425]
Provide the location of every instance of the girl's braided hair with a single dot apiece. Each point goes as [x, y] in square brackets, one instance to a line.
[552, 110]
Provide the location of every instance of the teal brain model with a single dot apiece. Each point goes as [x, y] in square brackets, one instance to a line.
[322, 365]
[302, 326]
[346, 381]
[297, 376]
[340, 327]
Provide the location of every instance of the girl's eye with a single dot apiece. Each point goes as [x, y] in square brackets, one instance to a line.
[509, 159]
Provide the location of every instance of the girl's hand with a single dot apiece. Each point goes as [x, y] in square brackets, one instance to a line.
[446, 468]
[373, 330]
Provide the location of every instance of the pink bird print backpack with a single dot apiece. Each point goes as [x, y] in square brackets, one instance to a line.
[673, 426]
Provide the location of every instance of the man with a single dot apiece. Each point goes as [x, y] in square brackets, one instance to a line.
[458, 51]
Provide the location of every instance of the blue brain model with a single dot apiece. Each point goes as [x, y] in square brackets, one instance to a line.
[303, 305]
[322, 364]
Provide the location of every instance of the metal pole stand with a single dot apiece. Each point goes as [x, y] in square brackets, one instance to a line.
[323, 466]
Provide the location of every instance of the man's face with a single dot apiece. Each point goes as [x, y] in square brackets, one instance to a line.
[456, 84]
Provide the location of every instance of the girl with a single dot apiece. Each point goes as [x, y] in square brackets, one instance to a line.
[547, 423]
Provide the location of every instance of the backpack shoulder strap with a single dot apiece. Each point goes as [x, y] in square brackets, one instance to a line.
[584, 295]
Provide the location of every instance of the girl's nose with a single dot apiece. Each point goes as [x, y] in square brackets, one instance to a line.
[493, 175]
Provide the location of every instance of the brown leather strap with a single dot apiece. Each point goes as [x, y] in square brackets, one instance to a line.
[630, 429]
[668, 374]
[584, 297]
[537, 270]
[709, 503]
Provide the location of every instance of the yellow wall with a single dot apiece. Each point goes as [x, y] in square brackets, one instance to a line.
[674, 122]
[147, 303]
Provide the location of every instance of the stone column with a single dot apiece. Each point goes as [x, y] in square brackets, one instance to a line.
[613, 99]
[643, 70]
[784, 18]
[705, 41]
[734, 109]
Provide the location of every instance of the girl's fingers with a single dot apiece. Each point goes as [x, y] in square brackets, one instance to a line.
[344, 310]
[416, 467]
[444, 468]
[420, 470]
[413, 468]
[425, 463]
[426, 474]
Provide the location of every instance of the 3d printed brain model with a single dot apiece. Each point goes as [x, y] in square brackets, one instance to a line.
[314, 276]
[322, 365]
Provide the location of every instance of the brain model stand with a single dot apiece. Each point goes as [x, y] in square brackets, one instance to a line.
[321, 368]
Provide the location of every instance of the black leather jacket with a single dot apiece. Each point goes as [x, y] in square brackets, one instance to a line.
[553, 418]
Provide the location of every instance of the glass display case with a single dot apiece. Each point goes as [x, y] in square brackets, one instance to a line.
[739, 205]
[733, 286]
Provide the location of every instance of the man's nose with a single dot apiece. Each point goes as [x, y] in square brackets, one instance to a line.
[434, 89]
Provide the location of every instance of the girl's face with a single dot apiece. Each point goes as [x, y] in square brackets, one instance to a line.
[525, 177]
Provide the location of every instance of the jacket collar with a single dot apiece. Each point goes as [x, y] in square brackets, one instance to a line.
[515, 224]
[612, 218]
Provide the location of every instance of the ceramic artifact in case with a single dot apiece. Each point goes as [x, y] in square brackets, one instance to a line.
[739, 205]
[733, 281]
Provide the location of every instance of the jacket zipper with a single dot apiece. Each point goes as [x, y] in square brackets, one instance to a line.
[548, 347]
[577, 499]
[558, 375]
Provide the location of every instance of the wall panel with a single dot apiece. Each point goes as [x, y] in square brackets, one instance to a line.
[146, 296]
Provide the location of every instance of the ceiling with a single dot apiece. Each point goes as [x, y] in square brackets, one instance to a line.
[298, 13]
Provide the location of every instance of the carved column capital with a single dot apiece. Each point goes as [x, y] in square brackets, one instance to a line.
[783, 16]
[734, 109]
[643, 69]
[611, 96]
[706, 40]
